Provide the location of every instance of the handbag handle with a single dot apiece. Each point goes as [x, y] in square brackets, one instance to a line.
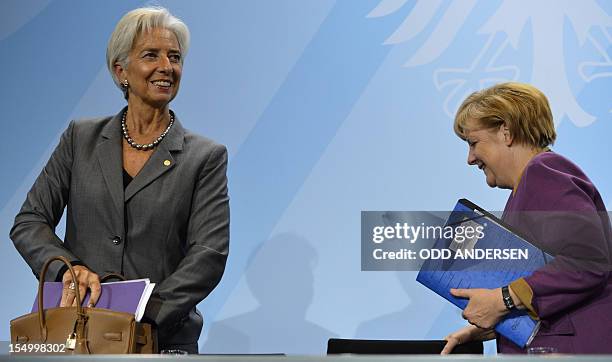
[81, 317]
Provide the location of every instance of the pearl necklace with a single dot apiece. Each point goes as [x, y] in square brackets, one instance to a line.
[149, 146]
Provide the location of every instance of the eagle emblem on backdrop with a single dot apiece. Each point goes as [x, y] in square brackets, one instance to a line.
[588, 21]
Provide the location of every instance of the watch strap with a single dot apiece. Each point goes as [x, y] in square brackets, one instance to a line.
[507, 298]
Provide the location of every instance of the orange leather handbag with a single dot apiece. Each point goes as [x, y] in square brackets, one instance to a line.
[79, 330]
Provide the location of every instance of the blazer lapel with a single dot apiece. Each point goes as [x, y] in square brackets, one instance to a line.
[161, 160]
[110, 156]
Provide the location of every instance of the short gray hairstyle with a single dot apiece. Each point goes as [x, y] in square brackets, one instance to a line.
[135, 23]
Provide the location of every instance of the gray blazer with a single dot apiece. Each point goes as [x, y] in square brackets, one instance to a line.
[171, 223]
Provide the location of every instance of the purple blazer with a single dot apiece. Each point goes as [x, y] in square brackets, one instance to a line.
[559, 208]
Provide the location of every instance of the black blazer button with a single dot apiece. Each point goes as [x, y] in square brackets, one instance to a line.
[116, 240]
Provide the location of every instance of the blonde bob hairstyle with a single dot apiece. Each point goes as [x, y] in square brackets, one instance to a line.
[133, 24]
[521, 107]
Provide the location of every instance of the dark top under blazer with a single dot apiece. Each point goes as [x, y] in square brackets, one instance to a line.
[176, 210]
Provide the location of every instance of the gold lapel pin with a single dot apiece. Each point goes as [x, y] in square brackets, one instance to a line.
[167, 163]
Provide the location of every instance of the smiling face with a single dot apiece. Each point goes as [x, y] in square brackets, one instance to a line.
[489, 149]
[154, 68]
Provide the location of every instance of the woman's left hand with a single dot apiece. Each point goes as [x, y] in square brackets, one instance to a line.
[485, 307]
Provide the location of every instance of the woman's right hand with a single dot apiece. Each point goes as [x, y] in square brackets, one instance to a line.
[466, 334]
[86, 279]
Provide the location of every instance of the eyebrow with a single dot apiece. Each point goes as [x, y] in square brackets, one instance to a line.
[157, 50]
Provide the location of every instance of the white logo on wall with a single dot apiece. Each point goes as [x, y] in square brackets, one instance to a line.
[546, 18]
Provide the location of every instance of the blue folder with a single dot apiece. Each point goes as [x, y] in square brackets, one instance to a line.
[441, 275]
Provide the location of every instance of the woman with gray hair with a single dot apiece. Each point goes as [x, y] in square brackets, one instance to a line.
[145, 197]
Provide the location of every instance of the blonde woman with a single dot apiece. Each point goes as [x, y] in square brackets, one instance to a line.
[509, 129]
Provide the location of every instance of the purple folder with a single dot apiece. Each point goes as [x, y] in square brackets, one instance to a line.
[118, 296]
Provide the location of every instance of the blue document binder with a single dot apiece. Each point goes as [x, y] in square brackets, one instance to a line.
[440, 275]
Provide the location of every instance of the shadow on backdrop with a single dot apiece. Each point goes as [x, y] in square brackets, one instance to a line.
[280, 277]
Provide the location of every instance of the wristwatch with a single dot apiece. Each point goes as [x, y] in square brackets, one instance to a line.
[508, 302]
